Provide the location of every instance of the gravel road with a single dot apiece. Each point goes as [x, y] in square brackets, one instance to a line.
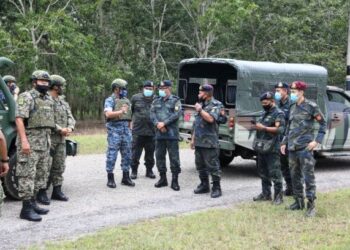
[93, 206]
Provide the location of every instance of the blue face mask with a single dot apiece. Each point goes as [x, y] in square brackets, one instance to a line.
[123, 93]
[147, 92]
[293, 97]
[162, 93]
[278, 96]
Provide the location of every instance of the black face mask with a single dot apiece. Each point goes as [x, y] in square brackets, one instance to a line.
[42, 89]
[59, 91]
[266, 107]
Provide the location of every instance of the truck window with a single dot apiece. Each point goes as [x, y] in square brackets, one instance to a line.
[337, 101]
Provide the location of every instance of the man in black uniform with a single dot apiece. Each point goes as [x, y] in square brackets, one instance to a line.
[143, 131]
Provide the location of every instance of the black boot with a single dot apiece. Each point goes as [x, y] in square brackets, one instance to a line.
[311, 208]
[163, 182]
[126, 179]
[149, 173]
[28, 213]
[57, 194]
[298, 204]
[203, 187]
[216, 189]
[278, 199]
[174, 183]
[38, 209]
[111, 182]
[262, 197]
[42, 198]
[133, 173]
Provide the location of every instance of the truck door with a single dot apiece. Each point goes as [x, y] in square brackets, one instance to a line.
[338, 121]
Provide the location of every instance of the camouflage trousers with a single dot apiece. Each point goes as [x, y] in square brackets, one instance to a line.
[286, 170]
[302, 165]
[172, 146]
[32, 172]
[57, 163]
[139, 143]
[269, 168]
[207, 162]
[119, 139]
[2, 197]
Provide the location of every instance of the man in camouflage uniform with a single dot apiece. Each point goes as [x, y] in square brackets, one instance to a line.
[117, 110]
[300, 140]
[65, 124]
[205, 141]
[143, 132]
[34, 120]
[165, 113]
[4, 165]
[268, 130]
[11, 84]
[283, 103]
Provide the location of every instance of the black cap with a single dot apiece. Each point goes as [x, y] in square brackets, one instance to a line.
[206, 88]
[267, 96]
[165, 83]
[282, 85]
[148, 83]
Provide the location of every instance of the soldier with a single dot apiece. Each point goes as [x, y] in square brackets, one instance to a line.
[11, 84]
[300, 140]
[283, 103]
[205, 141]
[118, 114]
[65, 124]
[143, 132]
[270, 125]
[34, 121]
[165, 113]
[4, 167]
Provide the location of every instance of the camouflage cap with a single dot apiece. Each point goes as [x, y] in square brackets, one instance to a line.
[165, 83]
[299, 85]
[283, 85]
[40, 75]
[119, 83]
[148, 83]
[206, 88]
[267, 96]
[57, 80]
[9, 78]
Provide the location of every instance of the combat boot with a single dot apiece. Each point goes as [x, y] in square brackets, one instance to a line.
[163, 182]
[149, 173]
[133, 173]
[203, 187]
[278, 199]
[126, 180]
[28, 213]
[111, 182]
[262, 197]
[175, 183]
[311, 208]
[38, 209]
[298, 204]
[57, 194]
[216, 189]
[42, 198]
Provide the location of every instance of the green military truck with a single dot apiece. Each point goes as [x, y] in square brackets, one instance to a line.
[238, 85]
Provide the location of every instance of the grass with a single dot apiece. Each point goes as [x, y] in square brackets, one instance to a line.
[97, 143]
[248, 226]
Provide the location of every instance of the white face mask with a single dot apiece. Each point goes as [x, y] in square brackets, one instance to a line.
[162, 93]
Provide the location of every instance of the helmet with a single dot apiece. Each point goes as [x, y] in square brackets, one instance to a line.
[9, 78]
[118, 83]
[57, 80]
[40, 75]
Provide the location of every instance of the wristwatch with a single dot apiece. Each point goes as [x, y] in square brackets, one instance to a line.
[5, 160]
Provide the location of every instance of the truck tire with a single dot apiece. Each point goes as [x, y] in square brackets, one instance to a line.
[11, 180]
[225, 157]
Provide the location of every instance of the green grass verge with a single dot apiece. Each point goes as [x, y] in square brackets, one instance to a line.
[248, 226]
[97, 143]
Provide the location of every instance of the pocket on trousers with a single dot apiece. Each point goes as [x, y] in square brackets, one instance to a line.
[22, 167]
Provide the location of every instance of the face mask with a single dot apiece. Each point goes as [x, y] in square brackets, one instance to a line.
[266, 107]
[293, 97]
[123, 93]
[59, 91]
[162, 93]
[147, 92]
[42, 89]
[278, 96]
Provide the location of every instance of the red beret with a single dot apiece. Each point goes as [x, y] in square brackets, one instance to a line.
[299, 85]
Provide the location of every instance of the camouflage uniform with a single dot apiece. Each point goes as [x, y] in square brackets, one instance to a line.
[38, 116]
[300, 132]
[118, 135]
[143, 131]
[63, 119]
[167, 110]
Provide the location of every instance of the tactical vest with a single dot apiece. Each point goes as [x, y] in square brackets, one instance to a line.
[117, 106]
[61, 113]
[42, 115]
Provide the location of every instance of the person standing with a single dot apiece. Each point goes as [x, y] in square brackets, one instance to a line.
[34, 121]
[268, 130]
[300, 142]
[118, 116]
[165, 113]
[143, 131]
[4, 165]
[283, 103]
[12, 86]
[65, 124]
[205, 140]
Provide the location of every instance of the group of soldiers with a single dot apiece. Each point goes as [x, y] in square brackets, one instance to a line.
[43, 121]
[285, 142]
[149, 122]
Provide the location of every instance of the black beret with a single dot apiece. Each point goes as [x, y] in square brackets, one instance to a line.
[206, 88]
[282, 85]
[165, 83]
[148, 83]
[267, 96]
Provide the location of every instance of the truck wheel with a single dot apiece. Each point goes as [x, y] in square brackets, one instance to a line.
[226, 157]
[11, 180]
